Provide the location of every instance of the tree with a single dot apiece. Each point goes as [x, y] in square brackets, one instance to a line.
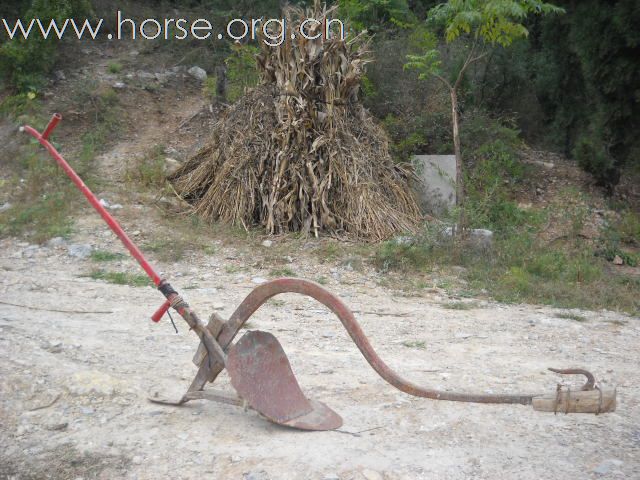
[480, 25]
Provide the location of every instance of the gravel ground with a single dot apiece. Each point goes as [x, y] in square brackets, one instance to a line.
[74, 386]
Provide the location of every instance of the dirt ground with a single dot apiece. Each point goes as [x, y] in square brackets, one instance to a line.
[74, 382]
[74, 386]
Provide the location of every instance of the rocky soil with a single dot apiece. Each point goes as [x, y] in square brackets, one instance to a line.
[76, 370]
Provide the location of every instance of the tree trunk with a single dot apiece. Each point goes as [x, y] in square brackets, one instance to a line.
[458, 153]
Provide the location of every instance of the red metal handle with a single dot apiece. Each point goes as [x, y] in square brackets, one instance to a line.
[161, 311]
[53, 123]
[93, 200]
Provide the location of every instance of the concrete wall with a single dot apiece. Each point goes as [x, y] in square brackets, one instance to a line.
[437, 187]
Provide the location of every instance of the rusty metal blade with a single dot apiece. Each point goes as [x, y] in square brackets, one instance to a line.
[261, 374]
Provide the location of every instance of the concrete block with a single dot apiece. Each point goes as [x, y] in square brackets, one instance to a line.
[437, 188]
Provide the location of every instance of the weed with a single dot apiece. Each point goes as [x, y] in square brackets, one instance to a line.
[105, 256]
[121, 278]
[404, 253]
[322, 280]
[415, 344]
[282, 272]
[572, 316]
[209, 249]
[242, 72]
[167, 250]
[629, 228]
[328, 252]
[276, 302]
[44, 198]
[232, 269]
[459, 305]
[148, 171]
[20, 105]
[114, 67]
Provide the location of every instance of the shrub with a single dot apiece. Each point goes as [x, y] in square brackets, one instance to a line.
[24, 62]
[242, 71]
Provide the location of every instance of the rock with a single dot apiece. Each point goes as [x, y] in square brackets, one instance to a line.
[607, 465]
[372, 475]
[53, 347]
[146, 75]
[5, 206]
[119, 85]
[617, 260]
[353, 263]
[260, 475]
[59, 75]
[80, 251]
[259, 280]
[171, 165]
[267, 243]
[481, 237]
[197, 73]
[136, 460]
[115, 206]
[403, 240]
[56, 242]
[463, 335]
[56, 426]
[458, 270]
[104, 203]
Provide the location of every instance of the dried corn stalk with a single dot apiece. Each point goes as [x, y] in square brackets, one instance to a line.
[299, 152]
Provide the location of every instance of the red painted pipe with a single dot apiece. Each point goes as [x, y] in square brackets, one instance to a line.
[93, 200]
[53, 123]
[161, 311]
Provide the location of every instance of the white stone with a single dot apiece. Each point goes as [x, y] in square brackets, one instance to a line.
[197, 73]
[80, 251]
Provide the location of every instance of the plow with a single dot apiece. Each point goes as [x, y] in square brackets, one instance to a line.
[258, 367]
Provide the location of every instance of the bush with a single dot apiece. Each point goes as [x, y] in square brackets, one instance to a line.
[593, 158]
[242, 71]
[23, 63]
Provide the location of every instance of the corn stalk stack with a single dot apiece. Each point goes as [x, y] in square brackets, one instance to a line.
[299, 152]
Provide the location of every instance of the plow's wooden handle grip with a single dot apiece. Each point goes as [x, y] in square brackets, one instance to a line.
[579, 401]
[161, 311]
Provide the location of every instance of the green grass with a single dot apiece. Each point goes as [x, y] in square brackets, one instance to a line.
[45, 200]
[522, 265]
[105, 256]
[114, 67]
[282, 272]
[149, 170]
[121, 278]
[167, 250]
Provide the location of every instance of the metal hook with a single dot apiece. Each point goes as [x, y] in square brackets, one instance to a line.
[588, 385]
